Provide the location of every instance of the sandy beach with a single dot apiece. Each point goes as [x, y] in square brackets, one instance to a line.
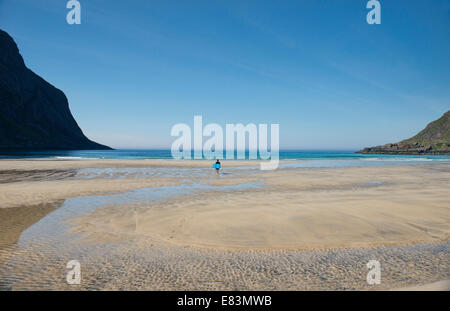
[133, 222]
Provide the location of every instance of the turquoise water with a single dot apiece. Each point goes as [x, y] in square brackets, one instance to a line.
[166, 154]
[301, 158]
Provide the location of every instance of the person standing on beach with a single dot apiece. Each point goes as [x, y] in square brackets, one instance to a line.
[217, 166]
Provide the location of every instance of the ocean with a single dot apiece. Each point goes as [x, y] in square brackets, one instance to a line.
[305, 158]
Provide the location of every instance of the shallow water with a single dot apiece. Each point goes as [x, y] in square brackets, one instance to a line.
[130, 266]
[308, 158]
[53, 229]
[38, 258]
[55, 224]
[89, 173]
[362, 162]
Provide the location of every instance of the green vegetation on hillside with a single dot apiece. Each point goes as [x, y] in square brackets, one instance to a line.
[433, 139]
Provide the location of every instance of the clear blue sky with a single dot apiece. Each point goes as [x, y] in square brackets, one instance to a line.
[132, 69]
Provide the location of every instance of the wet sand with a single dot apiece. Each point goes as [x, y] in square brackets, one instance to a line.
[164, 224]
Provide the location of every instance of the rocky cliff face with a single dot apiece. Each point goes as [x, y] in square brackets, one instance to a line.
[434, 139]
[34, 115]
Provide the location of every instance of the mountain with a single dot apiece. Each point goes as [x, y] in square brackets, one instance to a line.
[434, 139]
[34, 115]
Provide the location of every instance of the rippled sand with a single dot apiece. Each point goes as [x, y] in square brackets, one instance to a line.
[157, 225]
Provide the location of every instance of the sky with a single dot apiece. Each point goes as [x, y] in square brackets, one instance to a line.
[133, 69]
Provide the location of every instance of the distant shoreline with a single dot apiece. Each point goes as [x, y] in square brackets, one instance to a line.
[434, 139]
[129, 154]
[437, 153]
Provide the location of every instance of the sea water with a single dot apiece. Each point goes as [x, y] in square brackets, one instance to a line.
[301, 158]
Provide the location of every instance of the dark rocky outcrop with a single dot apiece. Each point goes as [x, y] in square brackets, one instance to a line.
[34, 115]
[434, 139]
